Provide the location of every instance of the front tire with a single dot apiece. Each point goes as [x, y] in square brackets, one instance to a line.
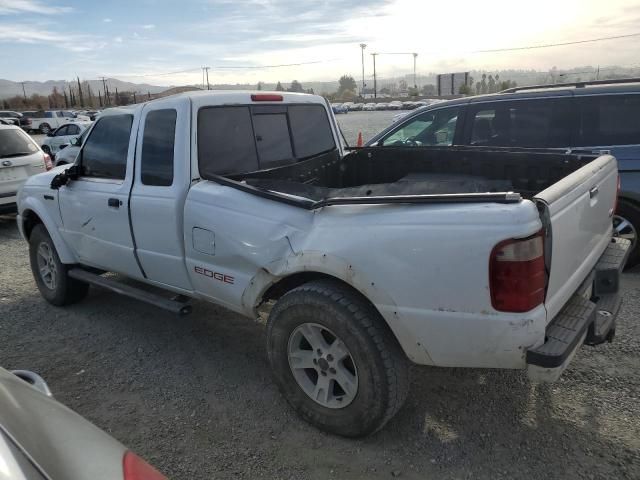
[50, 274]
[335, 360]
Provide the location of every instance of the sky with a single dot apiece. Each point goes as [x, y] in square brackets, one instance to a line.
[146, 41]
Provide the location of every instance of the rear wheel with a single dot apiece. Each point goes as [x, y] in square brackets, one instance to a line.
[335, 360]
[626, 224]
[45, 128]
[50, 274]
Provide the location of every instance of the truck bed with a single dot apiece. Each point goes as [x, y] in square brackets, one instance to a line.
[419, 174]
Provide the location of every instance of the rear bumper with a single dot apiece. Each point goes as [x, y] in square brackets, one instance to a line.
[588, 317]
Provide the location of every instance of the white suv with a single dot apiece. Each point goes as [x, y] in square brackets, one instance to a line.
[20, 157]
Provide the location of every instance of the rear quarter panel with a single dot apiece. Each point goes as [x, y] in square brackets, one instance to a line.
[424, 267]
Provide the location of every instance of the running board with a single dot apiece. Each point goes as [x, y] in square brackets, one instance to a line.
[173, 306]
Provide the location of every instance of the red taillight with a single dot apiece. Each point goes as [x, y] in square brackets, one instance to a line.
[48, 164]
[517, 276]
[615, 205]
[266, 97]
[135, 468]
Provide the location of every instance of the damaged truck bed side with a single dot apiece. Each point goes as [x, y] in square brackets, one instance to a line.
[471, 257]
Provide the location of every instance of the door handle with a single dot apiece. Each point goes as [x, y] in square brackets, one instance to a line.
[114, 202]
[594, 191]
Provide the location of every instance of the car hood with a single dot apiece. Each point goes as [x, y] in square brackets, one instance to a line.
[62, 443]
[44, 178]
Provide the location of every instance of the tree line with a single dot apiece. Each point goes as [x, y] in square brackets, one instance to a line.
[74, 95]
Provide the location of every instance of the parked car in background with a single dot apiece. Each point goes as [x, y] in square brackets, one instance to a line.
[5, 122]
[382, 106]
[395, 105]
[339, 108]
[20, 157]
[41, 439]
[369, 107]
[79, 116]
[69, 153]
[10, 117]
[48, 120]
[92, 114]
[600, 115]
[356, 107]
[63, 137]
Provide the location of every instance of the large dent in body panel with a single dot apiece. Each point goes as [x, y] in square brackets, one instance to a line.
[321, 262]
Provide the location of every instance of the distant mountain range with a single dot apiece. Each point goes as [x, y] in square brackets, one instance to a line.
[9, 88]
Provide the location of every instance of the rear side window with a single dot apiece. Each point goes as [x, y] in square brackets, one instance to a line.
[248, 138]
[104, 153]
[15, 143]
[157, 148]
[609, 120]
[225, 141]
[310, 130]
[525, 123]
[73, 130]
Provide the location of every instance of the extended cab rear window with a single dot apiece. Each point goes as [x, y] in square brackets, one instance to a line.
[240, 139]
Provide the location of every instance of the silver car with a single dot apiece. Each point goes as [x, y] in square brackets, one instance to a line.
[41, 439]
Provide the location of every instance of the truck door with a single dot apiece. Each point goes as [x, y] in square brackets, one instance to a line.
[162, 179]
[95, 207]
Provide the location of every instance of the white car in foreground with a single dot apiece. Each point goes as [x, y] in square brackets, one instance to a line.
[63, 136]
[460, 257]
[20, 157]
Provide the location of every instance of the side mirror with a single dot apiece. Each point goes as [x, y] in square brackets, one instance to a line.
[75, 142]
[71, 173]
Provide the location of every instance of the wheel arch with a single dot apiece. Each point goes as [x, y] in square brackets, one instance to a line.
[282, 277]
[33, 214]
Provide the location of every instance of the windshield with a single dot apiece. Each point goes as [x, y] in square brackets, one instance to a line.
[14, 143]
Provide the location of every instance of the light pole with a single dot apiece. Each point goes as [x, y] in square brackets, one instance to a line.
[362, 47]
[207, 70]
[375, 83]
[415, 83]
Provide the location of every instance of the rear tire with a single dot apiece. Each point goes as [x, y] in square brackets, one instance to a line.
[50, 274]
[627, 225]
[45, 128]
[368, 354]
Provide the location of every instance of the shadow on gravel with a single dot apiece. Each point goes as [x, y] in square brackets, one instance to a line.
[194, 396]
[8, 227]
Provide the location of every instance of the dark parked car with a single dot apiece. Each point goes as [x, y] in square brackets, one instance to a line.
[11, 118]
[600, 115]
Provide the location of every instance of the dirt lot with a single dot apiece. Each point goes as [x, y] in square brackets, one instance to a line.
[195, 397]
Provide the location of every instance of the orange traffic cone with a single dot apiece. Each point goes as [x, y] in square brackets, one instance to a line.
[359, 142]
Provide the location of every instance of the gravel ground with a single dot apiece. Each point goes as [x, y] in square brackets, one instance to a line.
[194, 396]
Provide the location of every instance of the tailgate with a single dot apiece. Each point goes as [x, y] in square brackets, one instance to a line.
[578, 212]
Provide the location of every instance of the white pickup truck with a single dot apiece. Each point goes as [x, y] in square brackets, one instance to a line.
[457, 257]
[47, 121]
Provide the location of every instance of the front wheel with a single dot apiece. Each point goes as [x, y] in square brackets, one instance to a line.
[626, 223]
[50, 273]
[335, 360]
